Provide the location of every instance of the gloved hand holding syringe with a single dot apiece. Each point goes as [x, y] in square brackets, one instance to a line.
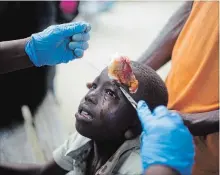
[58, 44]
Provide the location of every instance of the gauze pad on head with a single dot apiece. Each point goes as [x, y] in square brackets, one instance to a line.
[120, 70]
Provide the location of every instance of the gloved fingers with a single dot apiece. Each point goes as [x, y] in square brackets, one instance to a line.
[78, 53]
[144, 113]
[177, 118]
[71, 29]
[88, 27]
[81, 27]
[65, 61]
[78, 45]
[160, 111]
[81, 37]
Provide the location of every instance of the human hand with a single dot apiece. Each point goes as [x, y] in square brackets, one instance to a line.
[165, 140]
[58, 44]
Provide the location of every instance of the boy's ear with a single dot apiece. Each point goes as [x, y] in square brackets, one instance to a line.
[89, 85]
[129, 134]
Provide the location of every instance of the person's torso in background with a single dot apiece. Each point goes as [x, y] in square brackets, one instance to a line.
[21, 19]
[193, 80]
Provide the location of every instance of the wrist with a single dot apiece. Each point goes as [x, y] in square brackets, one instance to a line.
[13, 55]
[30, 51]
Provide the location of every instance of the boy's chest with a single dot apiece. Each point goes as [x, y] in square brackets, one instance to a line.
[89, 167]
[94, 163]
[93, 166]
[127, 165]
[126, 160]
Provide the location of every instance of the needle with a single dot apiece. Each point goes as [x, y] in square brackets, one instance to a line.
[127, 95]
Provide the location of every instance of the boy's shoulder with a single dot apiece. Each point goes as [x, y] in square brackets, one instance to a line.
[72, 156]
[130, 165]
[73, 153]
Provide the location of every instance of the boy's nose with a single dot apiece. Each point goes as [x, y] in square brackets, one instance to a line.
[91, 99]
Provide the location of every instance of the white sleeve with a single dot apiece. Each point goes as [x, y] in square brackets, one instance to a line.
[60, 157]
[73, 144]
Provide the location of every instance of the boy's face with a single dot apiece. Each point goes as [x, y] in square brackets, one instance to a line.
[104, 113]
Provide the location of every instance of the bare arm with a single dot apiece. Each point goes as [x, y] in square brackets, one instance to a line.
[49, 169]
[13, 56]
[160, 170]
[160, 50]
[201, 124]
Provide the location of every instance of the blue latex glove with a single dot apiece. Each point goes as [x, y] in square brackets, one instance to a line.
[58, 44]
[165, 140]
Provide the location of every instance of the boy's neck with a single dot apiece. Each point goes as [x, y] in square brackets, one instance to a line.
[105, 148]
[102, 151]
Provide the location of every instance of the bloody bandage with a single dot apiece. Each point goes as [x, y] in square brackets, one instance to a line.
[120, 70]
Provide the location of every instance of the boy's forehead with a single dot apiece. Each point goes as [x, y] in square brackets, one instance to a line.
[103, 77]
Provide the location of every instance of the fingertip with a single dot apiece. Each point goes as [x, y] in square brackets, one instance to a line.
[88, 27]
[81, 37]
[78, 45]
[71, 45]
[141, 104]
[85, 46]
[160, 111]
[84, 27]
[77, 37]
[176, 117]
[75, 28]
[143, 112]
[174, 114]
[86, 37]
[78, 53]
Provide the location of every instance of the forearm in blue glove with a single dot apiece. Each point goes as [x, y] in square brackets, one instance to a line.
[58, 44]
[165, 140]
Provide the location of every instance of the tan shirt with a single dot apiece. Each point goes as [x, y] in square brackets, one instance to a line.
[72, 156]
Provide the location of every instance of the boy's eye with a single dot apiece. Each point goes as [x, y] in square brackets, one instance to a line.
[93, 86]
[111, 93]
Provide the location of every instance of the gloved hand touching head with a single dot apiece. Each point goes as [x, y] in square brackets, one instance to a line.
[58, 44]
[165, 140]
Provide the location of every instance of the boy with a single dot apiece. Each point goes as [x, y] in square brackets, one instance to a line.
[112, 126]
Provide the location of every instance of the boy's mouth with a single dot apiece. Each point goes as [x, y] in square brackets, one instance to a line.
[84, 114]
